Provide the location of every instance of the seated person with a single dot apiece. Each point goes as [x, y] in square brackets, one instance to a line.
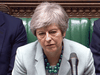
[12, 35]
[95, 45]
[50, 54]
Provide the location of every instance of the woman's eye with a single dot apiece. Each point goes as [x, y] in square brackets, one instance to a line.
[52, 32]
[41, 33]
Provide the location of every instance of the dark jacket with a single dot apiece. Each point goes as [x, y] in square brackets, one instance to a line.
[12, 35]
[95, 45]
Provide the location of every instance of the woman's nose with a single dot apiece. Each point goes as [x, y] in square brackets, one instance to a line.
[48, 37]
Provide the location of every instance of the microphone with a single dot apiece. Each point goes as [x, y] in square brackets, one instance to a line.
[73, 63]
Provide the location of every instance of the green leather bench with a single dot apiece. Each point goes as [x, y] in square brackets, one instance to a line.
[79, 30]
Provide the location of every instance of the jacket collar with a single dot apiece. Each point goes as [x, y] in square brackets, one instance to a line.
[39, 60]
[1, 18]
[65, 68]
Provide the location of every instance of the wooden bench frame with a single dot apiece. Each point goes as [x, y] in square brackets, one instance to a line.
[74, 8]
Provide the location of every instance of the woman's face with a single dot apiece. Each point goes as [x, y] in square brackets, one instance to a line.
[50, 38]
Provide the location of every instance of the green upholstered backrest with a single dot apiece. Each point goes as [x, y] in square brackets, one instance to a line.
[30, 36]
[79, 30]
[25, 23]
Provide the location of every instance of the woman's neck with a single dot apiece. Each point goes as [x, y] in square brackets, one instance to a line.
[53, 58]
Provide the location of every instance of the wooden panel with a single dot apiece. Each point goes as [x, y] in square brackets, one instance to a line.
[49, 0]
[74, 8]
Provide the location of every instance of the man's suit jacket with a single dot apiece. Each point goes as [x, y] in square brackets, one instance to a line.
[29, 59]
[95, 45]
[12, 35]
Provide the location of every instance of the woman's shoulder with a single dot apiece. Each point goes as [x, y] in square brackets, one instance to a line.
[81, 50]
[28, 47]
[76, 46]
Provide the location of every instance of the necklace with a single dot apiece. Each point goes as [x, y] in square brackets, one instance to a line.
[51, 69]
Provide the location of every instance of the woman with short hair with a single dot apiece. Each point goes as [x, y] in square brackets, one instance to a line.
[50, 54]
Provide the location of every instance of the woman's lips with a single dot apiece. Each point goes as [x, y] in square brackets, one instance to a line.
[50, 45]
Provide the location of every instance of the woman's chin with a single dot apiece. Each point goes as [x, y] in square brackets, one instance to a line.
[51, 50]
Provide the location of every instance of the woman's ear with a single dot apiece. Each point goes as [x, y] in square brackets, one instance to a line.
[64, 34]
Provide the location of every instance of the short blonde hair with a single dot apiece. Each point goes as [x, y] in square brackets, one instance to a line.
[48, 13]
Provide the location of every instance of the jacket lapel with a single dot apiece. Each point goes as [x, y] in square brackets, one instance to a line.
[39, 60]
[1, 18]
[2, 30]
[65, 68]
